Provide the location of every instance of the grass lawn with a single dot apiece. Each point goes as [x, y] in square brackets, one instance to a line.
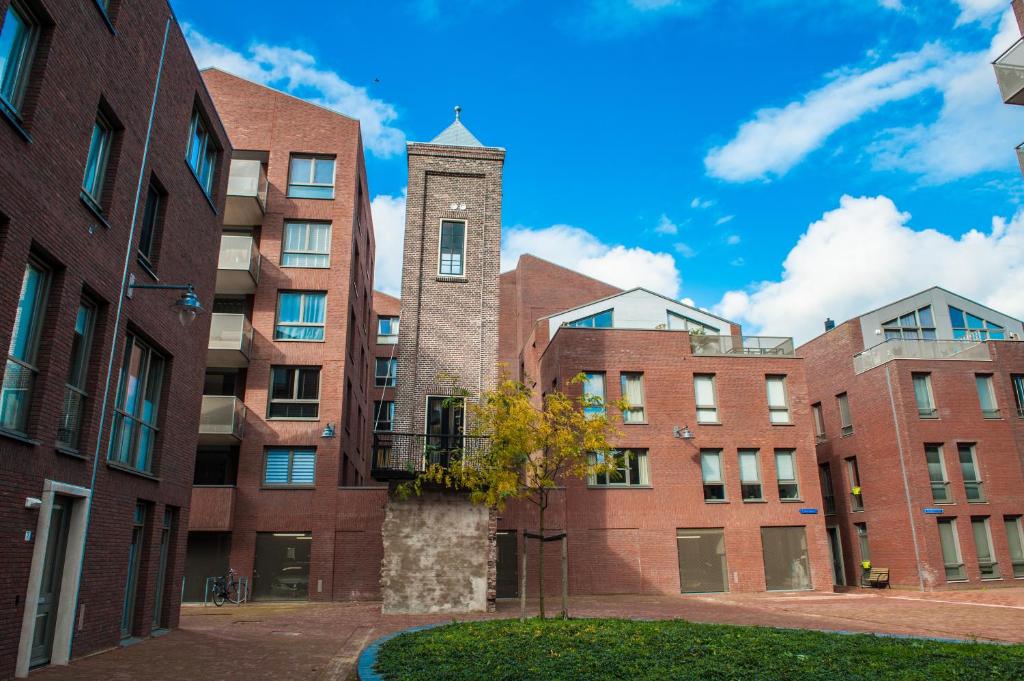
[675, 649]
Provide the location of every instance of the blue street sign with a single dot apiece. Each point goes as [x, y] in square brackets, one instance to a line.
[934, 511]
[808, 511]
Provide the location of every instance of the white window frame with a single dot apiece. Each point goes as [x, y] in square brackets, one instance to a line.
[860, 530]
[594, 411]
[976, 465]
[990, 387]
[956, 548]
[295, 369]
[1015, 524]
[775, 410]
[794, 481]
[945, 473]
[309, 181]
[713, 407]
[633, 409]
[465, 245]
[993, 564]
[759, 481]
[929, 411]
[845, 417]
[720, 482]
[388, 338]
[643, 470]
[819, 422]
[306, 224]
[853, 480]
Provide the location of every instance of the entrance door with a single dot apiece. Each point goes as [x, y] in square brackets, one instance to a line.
[161, 572]
[835, 546]
[702, 567]
[444, 429]
[49, 589]
[131, 584]
[508, 565]
[785, 558]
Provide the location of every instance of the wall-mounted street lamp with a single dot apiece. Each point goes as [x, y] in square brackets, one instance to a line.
[187, 305]
[328, 431]
[683, 433]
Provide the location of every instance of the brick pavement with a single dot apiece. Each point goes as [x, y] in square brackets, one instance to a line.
[320, 641]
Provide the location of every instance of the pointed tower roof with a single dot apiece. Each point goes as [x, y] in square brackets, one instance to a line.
[456, 134]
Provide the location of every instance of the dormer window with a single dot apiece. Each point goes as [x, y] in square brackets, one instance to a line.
[915, 325]
[682, 323]
[601, 320]
[972, 327]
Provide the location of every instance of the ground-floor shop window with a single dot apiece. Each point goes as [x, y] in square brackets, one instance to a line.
[785, 558]
[281, 569]
[702, 566]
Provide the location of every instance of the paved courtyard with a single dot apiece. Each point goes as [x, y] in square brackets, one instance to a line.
[320, 641]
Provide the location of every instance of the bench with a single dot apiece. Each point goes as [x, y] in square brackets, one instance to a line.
[878, 578]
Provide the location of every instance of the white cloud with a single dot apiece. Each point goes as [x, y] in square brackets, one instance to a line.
[891, 4]
[978, 10]
[684, 249]
[701, 204]
[738, 262]
[666, 226]
[864, 254]
[389, 233]
[732, 239]
[688, 301]
[297, 71]
[580, 250]
[724, 219]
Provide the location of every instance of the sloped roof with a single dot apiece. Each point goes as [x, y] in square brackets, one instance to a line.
[456, 135]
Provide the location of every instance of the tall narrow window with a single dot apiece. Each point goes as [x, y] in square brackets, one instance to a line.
[387, 330]
[135, 411]
[937, 473]
[69, 430]
[827, 493]
[383, 415]
[148, 230]
[202, 151]
[385, 372]
[629, 469]
[853, 478]
[593, 394]
[452, 250]
[1018, 393]
[17, 43]
[971, 473]
[300, 315]
[778, 400]
[161, 570]
[862, 541]
[132, 583]
[311, 177]
[96, 161]
[1015, 541]
[20, 371]
[923, 394]
[983, 546]
[987, 396]
[819, 422]
[845, 421]
[294, 393]
[711, 474]
[289, 466]
[950, 544]
[633, 394]
[306, 244]
[750, 476]
[707, 400]
[785, 472]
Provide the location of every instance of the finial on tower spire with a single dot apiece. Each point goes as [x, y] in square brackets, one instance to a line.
[458, 110]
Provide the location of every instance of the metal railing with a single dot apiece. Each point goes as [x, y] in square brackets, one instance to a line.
[897, 348]
[1009, 68]
[761, 346]
[248, 178]
[404, 455]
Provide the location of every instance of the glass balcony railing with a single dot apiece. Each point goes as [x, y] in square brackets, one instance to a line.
[1009, 68]
[247, 193]
[238, 267]
[760, 346]
[221, 420]
[230, 340]
[897, 348]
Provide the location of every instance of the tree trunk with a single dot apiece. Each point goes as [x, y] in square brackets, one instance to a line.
[565, 578]
[522, 580]
[540, 558]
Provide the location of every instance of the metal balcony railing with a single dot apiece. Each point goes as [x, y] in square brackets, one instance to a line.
[761, 346]
[1009, 68]
[405, 455]
[897, 348]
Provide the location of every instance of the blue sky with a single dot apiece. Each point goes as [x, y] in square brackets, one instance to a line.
[776, 161]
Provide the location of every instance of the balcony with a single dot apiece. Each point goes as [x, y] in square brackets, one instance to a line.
[221, 420]
[247, 193]
[230, 341]
[896, 348]
[238, 268]
[212, 509]
[744, 346]
[1009, 68]
[1020, 156]
[399, 456]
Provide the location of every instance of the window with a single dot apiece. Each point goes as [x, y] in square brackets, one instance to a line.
[785, 473]
[1018, 393]
[819, 422]
[951, 559]
[161, 571]
[311, 177]
[601, 320]
[17, 43]
[971, 327]
[137, 406]
[915, 325]
[704, 393]
[452, 250]
[385, 372]
[845, 421]
[96, 161]
[633, 393]
[69, 430]
[711, 474]
[383, 416]
[983, 547]
[786, 567]
[387, 330]
[862, 541]
[20, 371]
[681, 322]
[202, 152]
[827, 494]
[937, 473]
[778, 402]
[306, 244]
[853, 477]
[149, 229]
[986, 396]
[750, 476]
[923, 394]
[286, 466]
[132, 582]
[1015, 541]
[593, 394]
[971, 473]
[702, 565]
[300, 315]
[630, 468]
[294, 393]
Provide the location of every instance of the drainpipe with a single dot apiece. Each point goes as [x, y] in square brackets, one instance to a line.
[116, 335]
[906, 482]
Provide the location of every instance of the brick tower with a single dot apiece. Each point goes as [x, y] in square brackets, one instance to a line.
[438, 548]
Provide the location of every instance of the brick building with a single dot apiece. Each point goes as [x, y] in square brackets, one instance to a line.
[281, 466]
[113, 179]
[919, 417]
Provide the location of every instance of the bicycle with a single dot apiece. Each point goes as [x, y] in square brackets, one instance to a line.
[225, 588]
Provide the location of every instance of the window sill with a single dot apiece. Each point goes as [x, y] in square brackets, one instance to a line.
[452, 279]
[612, 487]
[716, 501]
[785, 425]
[820, 440]
[709, 423]
[993, 418]
[306, 267]
[73, 453]
[299, 340]
[980, 502]
[309, 198]
[19, 437]
[147, 266]
[791, 501]
[850, 434]
[106, 17]
[856, 510]
[636, 423]
[131, 471]
[308, 419]
[286, 487]
[755, 501]
[89, 203]
[928, 417]
[14, 120]
[202, 189]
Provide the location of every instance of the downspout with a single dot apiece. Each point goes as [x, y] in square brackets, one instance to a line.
[117, 324]
[906, 482]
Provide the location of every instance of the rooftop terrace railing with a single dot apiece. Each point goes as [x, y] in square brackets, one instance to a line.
[897, 348]
[759, 346]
